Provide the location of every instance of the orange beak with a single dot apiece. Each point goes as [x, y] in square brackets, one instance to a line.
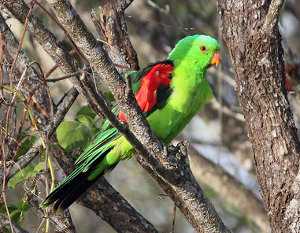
[216, 60]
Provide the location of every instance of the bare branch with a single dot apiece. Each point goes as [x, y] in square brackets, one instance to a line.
[61, 111]
[48, 41]
[112, 28]
[173, 174]
[50, 129]
[101, 196]
[229, 189]
[272, 17]
[34, 88]
[74, 74]
[43, 36]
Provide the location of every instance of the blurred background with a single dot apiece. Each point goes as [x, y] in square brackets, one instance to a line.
[217, 133]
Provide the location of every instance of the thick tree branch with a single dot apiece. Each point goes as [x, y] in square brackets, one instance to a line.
[257, 59]
[50, 44]
[173, 174]
[124, 212]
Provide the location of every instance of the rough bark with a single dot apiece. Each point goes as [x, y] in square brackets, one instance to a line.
[169, 169]
[34, 89]
[250, 31]
[115, 216]
[35, 86]
[111, 25]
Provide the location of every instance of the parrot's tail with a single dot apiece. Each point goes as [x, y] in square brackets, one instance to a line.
[86, 172]
[67, 193]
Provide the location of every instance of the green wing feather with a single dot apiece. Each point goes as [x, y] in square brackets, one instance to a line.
[90, 157]
[191, 92]
[79, 179]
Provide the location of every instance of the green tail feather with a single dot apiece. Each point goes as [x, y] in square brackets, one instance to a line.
[79, 180]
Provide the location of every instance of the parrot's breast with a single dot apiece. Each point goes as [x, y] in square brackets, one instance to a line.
[182, 105]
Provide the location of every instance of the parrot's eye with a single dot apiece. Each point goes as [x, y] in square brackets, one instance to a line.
[203, 48]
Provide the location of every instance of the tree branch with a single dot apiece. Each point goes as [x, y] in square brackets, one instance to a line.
[229, 189]
[49, 130]
[43, 36]
[272, 17]
[36, 89]
[173, 174]
[47, 40]
[62, 222]
[259, 70]
[33, 88]
[112, 28]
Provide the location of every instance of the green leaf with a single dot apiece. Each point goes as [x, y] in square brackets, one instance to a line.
[25, 173]
[17, 211]
[18, 214]
[73, 134]
[86, 120]
[86, 111]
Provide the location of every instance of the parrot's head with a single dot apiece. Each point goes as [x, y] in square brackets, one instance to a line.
[196, 51]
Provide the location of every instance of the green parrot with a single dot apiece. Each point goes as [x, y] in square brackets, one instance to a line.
[169, 94]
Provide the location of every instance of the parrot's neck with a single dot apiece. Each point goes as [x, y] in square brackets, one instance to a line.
[190, 91]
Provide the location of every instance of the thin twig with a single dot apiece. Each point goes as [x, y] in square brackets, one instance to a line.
[222, 108]
[49, 72]
[167, 167]
[64, 77]
[63, 108]
[124, 212]
[22, 37]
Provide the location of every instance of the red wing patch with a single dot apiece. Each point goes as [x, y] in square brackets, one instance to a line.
[122, 117]
[146, 96]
